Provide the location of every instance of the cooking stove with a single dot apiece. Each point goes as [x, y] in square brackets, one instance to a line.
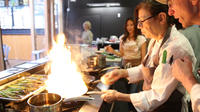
[12, 106]
[22, 106]
[6, 106]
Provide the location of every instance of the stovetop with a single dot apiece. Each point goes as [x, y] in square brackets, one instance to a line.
[10, 106]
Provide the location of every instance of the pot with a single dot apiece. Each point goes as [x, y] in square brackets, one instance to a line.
[51, 102]
[96, 61]
[45, 102]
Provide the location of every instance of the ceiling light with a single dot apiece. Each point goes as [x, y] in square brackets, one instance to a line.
[68, 9]
[118, 15]
[72, 0]
[103, 4]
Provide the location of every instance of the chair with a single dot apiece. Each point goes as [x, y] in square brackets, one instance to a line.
[37, 53]
[6, 50]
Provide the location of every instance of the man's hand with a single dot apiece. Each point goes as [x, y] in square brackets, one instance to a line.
[182, 68]
[109, 95]
[182, 71]
[111, 77]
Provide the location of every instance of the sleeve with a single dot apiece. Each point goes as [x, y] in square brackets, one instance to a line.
[195, 98]
[135, 74]
[141, 40]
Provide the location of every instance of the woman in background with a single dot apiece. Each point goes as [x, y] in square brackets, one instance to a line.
[132, 46]
[87, 35]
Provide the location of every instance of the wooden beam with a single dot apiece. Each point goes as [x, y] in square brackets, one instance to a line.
[48, 18]
[2, 62]
[33, 33]
[60, 16]
[53, 28]
[6, 4]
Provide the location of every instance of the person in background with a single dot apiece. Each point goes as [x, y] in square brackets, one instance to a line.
[132, 46]
[188, 13]
[161, 91]
[87, 35]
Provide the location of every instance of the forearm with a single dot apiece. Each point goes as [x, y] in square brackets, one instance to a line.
[123, 97]
[123, 73]
[188, 82]
[116, 53]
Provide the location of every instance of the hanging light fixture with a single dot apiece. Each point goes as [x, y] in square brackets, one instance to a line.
[103, 4]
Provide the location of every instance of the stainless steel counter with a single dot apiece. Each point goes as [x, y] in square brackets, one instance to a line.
[94, 105]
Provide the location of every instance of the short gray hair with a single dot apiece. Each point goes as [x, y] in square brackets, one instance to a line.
[87, 23]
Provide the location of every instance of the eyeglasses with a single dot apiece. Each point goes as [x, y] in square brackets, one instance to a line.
[140, 23]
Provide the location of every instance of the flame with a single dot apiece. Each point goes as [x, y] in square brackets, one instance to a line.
[64, 78]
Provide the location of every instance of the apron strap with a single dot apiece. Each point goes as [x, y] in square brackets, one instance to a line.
[148, 72]
[166, 37]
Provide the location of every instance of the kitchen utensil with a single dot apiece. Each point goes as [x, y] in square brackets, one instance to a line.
[94, 92]
[45, 102]
[51, 102]
[96, 61]
[22, 88]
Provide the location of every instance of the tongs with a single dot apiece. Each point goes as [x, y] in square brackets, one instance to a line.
[108, 68]
[79, 98]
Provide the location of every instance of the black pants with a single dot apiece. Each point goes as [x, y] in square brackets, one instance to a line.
[173, 104]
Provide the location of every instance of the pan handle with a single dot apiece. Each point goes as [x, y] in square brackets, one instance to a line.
[79, 98]
[94, 92]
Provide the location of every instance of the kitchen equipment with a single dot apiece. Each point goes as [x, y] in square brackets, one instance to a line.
[45, 102]
[51, 102]
[113, 38]
[22, 88]
[94, 93]
[104, 39]
[96, 61]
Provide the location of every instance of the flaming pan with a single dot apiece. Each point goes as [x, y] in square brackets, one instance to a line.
[52, 102]
[24, 87]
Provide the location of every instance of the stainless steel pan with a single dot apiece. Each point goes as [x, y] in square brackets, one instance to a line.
[51, 102]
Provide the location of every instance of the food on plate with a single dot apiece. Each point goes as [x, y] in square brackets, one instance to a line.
[23, 86]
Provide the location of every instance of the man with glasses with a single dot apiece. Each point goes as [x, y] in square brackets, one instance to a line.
[188, 13]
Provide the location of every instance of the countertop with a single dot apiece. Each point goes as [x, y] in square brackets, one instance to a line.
[94, 105]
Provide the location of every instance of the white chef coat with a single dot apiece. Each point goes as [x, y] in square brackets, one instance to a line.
[163, 83]
[195, 97]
